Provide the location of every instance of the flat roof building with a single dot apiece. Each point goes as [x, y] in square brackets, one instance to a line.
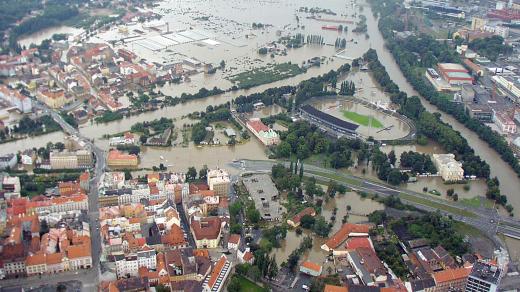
[454, 73]
[483, 278]
[265, 195]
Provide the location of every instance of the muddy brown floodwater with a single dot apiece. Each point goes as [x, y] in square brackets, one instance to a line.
[229, 22]
[360, 206]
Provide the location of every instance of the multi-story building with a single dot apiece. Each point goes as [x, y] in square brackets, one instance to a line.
[18, 100]
[509, 85]
[454, 74]
[147, 258]
[215, 281]
[449, 168]
[504, 123]
[451, 279]
[218, 181]
[63, 160]
[127, 266]
[59, 204]
[84, 158]
[480, 111]
[70, 159]
[36, 264]
[206, 232]
[484, 277]
[52, 98]
[119, 159]
[265, 134]
[13, 258]
[8, 161]
[79, 256]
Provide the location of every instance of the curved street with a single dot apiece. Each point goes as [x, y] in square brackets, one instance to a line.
[486, 220]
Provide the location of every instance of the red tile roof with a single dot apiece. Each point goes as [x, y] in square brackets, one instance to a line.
[234, 238]
[248, 256]
[357, 242]
[257, 125]
[332, 288]
[307, 211]
[206, 228]
[344, 232]
[312, 266]
[216, 271]
[451, 275]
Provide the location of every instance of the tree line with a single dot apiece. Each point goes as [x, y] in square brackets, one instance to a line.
[429, 124]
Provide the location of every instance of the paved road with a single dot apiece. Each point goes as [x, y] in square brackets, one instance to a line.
[486, 220]
[89, 277]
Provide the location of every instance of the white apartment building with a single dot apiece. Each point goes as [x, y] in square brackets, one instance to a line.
[146, 258]
[218, 181]
[127, 266]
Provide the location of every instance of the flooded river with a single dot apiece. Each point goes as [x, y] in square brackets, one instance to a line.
[241, 53]
[285, 18]
[510, 182]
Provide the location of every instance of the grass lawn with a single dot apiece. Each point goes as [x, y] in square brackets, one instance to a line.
[335, 177]
[436, 205]
[475, 202]
[466, 229]
[248, 286]
[362, 119]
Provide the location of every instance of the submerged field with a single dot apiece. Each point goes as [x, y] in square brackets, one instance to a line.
[363, 120]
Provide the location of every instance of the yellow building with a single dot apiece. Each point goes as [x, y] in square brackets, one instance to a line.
[63, 160]
[119, 159]
[218, 181]
[52, 98]
[478, 23]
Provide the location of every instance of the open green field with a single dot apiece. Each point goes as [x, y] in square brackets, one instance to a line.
[436, 205]
[264, 75]
[362, 119]
[475, 202]
[248, 286]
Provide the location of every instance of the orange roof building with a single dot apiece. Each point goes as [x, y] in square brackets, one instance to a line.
[348, 229]
[311, 268]
[215, 281]
[295, 221]
[451, 279]
[234, 241]
[206, 232]
[117, 158]
[333, 288]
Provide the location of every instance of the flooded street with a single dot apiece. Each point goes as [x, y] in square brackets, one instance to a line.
[316, 254]
[228, 23]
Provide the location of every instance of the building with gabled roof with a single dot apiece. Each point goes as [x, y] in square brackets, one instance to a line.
[451, 279]
[295, 221]
[346, 231]
[206, 231]
[311, 268]
[215, 281]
